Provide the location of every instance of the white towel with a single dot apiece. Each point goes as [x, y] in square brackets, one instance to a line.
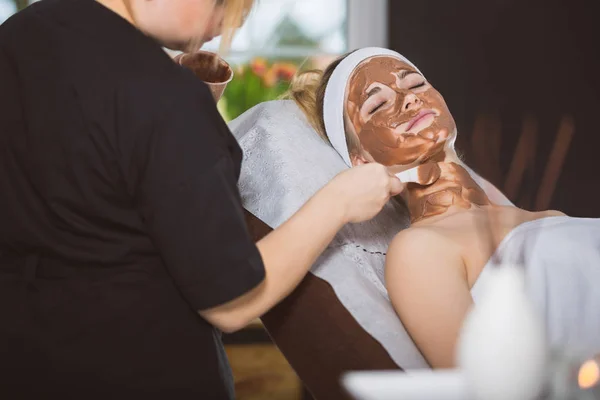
[561, 257]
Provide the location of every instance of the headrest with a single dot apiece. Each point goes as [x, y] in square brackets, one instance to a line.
[285, 163]
[293, 161]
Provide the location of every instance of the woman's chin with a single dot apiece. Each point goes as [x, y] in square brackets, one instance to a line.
[185, 46]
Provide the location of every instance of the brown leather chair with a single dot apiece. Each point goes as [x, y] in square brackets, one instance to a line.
[318, 336]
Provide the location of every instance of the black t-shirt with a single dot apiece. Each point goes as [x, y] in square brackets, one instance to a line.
[111, 155]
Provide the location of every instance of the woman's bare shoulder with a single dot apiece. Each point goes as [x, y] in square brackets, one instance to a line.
[421, 245]
[417, 239]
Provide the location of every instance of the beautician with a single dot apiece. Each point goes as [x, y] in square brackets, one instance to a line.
[123, 246]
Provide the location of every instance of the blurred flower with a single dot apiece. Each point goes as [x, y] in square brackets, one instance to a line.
[259, 66]
[286, 71]
[254, 83]
[279, 72]
[270, 78]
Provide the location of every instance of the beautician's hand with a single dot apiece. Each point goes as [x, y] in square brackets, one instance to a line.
[364, 190]
[290, 250]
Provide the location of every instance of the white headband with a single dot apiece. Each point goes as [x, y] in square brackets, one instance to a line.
[335, 95]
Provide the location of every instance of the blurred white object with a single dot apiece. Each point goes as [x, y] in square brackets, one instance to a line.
[502, 349]
[412, 385]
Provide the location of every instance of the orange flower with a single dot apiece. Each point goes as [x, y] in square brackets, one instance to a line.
[270, 78]
[286, 71]
[259, 66]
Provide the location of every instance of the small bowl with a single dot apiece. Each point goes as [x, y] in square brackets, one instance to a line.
[210, 68]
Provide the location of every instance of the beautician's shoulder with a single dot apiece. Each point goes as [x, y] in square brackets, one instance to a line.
[172, 112]
[172, 93]
[166, 85]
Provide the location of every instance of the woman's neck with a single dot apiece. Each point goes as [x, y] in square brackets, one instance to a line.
[454, 190]
[448, 155]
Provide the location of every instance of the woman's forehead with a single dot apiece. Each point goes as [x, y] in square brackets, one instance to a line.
[381, 65]
[381, 69]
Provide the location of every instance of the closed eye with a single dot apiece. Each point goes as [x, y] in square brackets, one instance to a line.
[373, 111]
[418, 86]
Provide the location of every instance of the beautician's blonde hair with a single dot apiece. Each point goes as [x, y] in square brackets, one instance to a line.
[236, 12]
[308, 91]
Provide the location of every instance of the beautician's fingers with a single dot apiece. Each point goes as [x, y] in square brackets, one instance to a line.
[362, 191]
[396, 185]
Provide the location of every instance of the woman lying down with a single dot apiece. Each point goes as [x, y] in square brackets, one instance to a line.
[375, 106]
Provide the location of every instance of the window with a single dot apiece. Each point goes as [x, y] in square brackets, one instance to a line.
[7, 8]
[282, 36]
[291, 29]
[305, 28]
[279, 37]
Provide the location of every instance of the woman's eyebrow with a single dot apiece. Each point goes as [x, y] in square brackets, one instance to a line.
[373, 91]
[405, 72]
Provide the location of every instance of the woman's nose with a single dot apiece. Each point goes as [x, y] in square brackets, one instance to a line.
[411, 102]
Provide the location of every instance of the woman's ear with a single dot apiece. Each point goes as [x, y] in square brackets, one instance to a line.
[358, 159]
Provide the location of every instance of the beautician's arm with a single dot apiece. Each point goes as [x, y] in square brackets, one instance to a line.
[289, 251]
[427, 283]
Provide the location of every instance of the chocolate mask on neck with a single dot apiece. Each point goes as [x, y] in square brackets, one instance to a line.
[399, 118]
[453, 187]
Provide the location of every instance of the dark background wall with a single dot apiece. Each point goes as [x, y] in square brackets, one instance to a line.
[498, 61]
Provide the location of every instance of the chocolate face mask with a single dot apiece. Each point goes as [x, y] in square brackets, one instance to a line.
[453, 187]
[398, 116]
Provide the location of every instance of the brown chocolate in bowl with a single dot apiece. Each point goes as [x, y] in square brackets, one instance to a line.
[210, 68]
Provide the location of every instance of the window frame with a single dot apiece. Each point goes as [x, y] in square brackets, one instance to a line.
[367, 23]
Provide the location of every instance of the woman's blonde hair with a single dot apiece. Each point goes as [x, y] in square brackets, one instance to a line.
[308, 91]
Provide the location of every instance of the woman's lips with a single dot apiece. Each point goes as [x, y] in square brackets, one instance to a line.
[428, 115]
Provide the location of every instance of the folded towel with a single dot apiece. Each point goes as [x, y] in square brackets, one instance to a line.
[561, 258]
